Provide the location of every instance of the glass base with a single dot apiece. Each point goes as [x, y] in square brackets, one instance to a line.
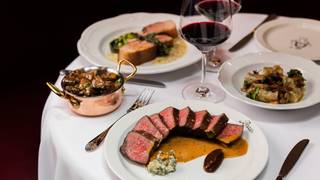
[204, 92]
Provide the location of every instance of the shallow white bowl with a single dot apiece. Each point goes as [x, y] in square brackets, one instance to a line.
[232, 73]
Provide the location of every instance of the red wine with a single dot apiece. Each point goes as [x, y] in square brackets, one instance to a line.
[217, 10]
[205, 34]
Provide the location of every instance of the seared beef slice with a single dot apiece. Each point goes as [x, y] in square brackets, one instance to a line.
[230, 133]
[159, 124]
[186, 118]
[202, 119]
[138, 146]
[170, 117]
[216, 125]
[145, 124]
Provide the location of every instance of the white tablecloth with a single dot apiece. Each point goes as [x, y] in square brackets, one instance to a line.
[62, 155]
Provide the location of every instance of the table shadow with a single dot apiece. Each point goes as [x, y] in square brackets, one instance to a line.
[174, 75]
[110, 173]
[277, 116]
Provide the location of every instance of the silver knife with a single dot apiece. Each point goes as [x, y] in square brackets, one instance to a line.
[317, 61]
[246, 39]
[292, 158]
[146, 82]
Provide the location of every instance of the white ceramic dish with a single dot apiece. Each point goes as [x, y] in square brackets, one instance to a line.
[94, 42]
[232, 73]
[295, 36]
[245, 167]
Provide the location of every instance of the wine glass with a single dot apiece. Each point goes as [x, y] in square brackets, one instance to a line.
[236, 6]
[205, 24]
[216, 58]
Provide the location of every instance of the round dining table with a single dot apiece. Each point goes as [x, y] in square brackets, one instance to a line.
[64, 134]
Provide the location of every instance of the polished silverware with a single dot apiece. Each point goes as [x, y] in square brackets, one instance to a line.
[317, 61]
[292, 158]
[144, 82]
[246, 39]
[142, 100]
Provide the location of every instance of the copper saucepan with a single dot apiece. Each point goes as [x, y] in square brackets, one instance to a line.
[96, 105]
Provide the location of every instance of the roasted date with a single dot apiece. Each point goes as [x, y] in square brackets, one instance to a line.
[213, 160]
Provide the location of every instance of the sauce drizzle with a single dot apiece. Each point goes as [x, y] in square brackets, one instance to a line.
[187, 149]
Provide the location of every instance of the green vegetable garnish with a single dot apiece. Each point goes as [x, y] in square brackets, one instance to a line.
[162, 49]
[246, 84]
[253, 95]
[117, 43]
[294, 73]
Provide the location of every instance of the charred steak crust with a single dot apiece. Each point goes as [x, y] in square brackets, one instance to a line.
[190, 119]
[186, 118]
[202, 120]
[157, 121]
[150, 137]
[216, 125]
[145, 124]
[186, 121]
[231, 133]
[205, 122]
[170, 117]
[176, 115]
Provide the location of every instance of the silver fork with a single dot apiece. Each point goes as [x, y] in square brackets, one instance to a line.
[142, 100]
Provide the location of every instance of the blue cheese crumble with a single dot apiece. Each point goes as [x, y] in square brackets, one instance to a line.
[164, 163]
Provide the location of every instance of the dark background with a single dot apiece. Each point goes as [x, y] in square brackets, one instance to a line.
[39, 38]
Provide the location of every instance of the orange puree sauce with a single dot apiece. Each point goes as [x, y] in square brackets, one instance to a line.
[187, 149]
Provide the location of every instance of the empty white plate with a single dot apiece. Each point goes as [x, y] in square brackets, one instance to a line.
[295, 36]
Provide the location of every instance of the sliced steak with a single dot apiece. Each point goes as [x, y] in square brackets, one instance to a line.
[230, 133]
[138, 146]
[145, 124]
[186, 118]
[170, 117]
[202, 119]
[216, 125]
[159, 124]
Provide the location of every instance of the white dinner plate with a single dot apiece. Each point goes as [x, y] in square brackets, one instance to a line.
[244, 167]
[94, 42]
[233, 71]
[295, 36]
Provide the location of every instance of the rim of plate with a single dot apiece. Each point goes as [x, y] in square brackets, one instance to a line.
[258, 59]
[261, 30]
[114, 138]
[92, 37]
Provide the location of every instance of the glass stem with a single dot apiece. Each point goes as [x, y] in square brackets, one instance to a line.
[205, 56]
[204, 66]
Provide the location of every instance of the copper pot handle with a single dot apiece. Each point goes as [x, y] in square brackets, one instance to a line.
[73, 101]
[134, 69]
